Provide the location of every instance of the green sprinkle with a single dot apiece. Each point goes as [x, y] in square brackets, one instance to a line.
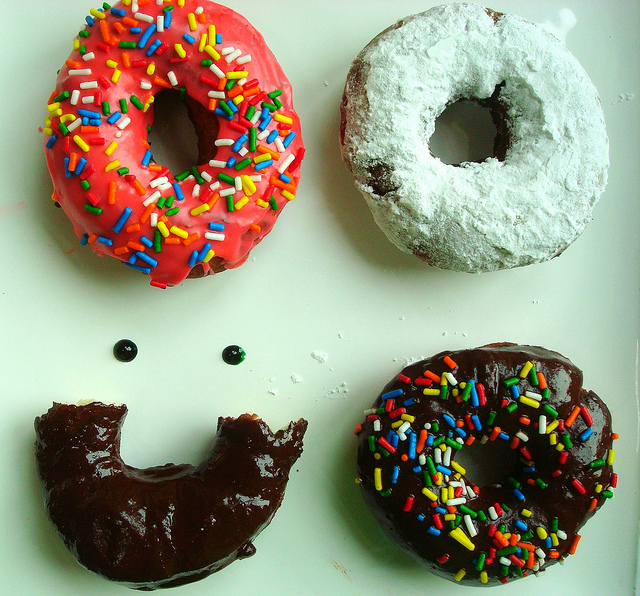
[547, 409]
[466, 392]
[250, 112]
[511, 382]
[106, 108]
[183, 175]
[438, 441]
[225, 108]
[513, 482]
[83, 33]
[271, 107]
[372, 443]
[275, 93]
[480, 561]
[427, 478]
[86, 185]
[454, 444]
[172, 211]
[506, 551]
[386, 493]
[136, 102]
[540, 483]
[554, 525]
[383, 451]
[607, 494]
[226, 178]
[182, 93]
[566, 441]
[243, 164]
[64, 95]
[546, 393]
[526, 536]
[491, 417]
[253, 139]
[82, 49]
[444, 391]
[127, 45]
[161, 202]
[512, 407]
[197, 175]
[230, 203]
[63, 129]
[505, 507]
[277, 103]
[124, 108]
[207, 62]
[122, 171]
[92, 209]
[533, 376]
[431, 467]
[168, 8]
[467, 511]
[482, 516]
[169, 202]
[157, 240]
[435, 426]
[272, 203]
[598, 463]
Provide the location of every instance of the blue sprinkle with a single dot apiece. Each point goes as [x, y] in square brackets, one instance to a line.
[450, 420]
[409, 402]
[504, 436]
[433, 531]
[95, 122]
[585, 434]
[232, 106]
[114, 117]
[231, 162]
[146, 241]
[521, 525]
[475, 400]
[135, 30]
[153, 47]
[193, 259]
[118, 12]
[222, 113]
[263, 164]
[84, 239]
[51, 141]
[392, 394]
[144, 38]
[273, 135]
[218, 38]
[430, 440]
[103, 240]
[188, 38]
[82, 162]
[440, 510]
[178, 191]
[420, 517]
[146, 158]
[216, 226]
[476, 422]
[89, 21]
[167, 19]
[547, 542]
[264, 122]
[122, 220]
[417, 469]
[460, 432]
[241, 141]
[445, 471]
[393, 438]
[138, 268]
[515, 392]
[518, 494]
[203, 253]
[67, 173]
[395, 472]
[413, 439]
[289, 138]
[89, 113]
[147, 259]
[85, 121]
[284, 178]
[529, 469]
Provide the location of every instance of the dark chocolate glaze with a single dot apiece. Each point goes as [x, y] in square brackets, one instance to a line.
[491, 365]
[162, 526]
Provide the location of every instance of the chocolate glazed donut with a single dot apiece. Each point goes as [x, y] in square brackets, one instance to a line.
[167, 525]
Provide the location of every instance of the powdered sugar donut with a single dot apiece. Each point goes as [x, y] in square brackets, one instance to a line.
[523, 206]
[171, 225]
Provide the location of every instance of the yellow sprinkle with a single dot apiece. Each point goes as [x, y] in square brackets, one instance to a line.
[151, 68]
[287, 195]
[429, 494]
[111, 148]
[397, 424]
[180, 50]
[377, 478]
[248, 185]
[559, 447]
[47, 121]
[193, 24]
[56, 113]
[431, 391]
[179, 232]
[525, 513]
[262, 203]
[237, 74]
[458, 468]
[554, 539]
[181, 3]
[444, 493]
[96, 13]
[541, 532]
[111, 64]
[203, 42]
[552, 426]
[112, 165]
[527, 401]
[438, 478]
[598, 488]
[241, 203]
[455, 392]
[211, 31]
[449, 517]
[48, 131]
[376, 455]
[115, 77]
[53, 106]
[67, 118]
[526, 369]
[452, 492]
[408, 418]
[238, 99]
[553, 439]
[611, 456]
[200, 209]
[209, 256]
[484, 577]
[462, 538]
[76, 44]
[212, 52]
[458, 576]
[282, 118]
[78, 141]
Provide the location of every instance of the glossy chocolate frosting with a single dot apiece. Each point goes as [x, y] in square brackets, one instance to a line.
[541, 497]
[167, 525]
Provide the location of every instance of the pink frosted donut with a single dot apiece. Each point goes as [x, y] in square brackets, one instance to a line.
[172, 225]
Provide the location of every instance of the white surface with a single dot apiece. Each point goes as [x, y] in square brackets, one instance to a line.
[325, 280]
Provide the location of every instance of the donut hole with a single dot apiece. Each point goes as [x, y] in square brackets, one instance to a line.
[490, 463]
[464, 132]
[183, 133]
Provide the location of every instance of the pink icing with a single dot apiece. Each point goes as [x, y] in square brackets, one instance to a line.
[254, 212]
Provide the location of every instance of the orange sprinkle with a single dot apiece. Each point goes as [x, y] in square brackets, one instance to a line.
[53, 95]
[91, 239]
[255, 228]
[501, 539]
[449, 362]
[162, 83]
[554, 554]
[147, 213]
[213, 104]
[541, 380]
[404, 457]
[470, 440]
[593, 504]
[572, 417]
[135, 245]
[202, 18]
[222, 83]
[129, 21]
[358, 429]
[530, 560]
[422, 439]
[172, 240]
[514, 539]
[192, 238]
[251, 92]
[527, 546]
[104, 29]
[213, 200]
[427, 373]
[119, 27]
[139, 188]
[515, 441]
[614, 436]
[113, 40]
[134, 227]
[525, 420]
[126, 60]
[72, 63]
[494, 433]
[275, 156]
[89, 129]
[73, 161]
[113, 189]
[292, 187]
[237, 90]
[154, 167]
[121, 250]
[525, 452]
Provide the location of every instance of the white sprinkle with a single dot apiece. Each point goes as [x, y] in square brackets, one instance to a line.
[456, 502]
[206, 176]
[217, 95]
[238, 182]
[216, 70]
[471, 527]
[452, 380]
[404, 427]
[243, 151]
[146, 85]
[493, 513]
[172, 78]
[542, 424]
[422, 459]
[89, 85]
[77, 72]
[446, 457]
[143, 17]
[215, 186]
[214, 236]
[377, 425]
[88, 99]
[256, 177]
[286, 163]
[217, 163]
[88, 56]
[160, 23]
[505, 561]
[561, 534]
[165, 186]
[437, 456]
[153, 220]
[227, 50]
[522, 436]
[77, 122]
[224, 143]
[158, 181]
[225, 192]
[244, 59]
[196, 190]
[124, 123]
[279, 146]
[263, 135]
[232, 56]
[152, 198]
[533, 395]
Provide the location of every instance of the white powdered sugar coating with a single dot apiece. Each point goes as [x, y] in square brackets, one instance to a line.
[486, 216]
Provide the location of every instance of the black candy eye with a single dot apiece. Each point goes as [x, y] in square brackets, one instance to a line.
[233, 355]
[125, 350]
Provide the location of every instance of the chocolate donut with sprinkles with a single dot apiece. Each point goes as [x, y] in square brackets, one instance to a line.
[548, 453]
[121, 202]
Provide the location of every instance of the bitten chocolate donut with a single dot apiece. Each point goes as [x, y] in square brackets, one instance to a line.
[167, 525]
[524, 205]
[172, 225]
[547, 449]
